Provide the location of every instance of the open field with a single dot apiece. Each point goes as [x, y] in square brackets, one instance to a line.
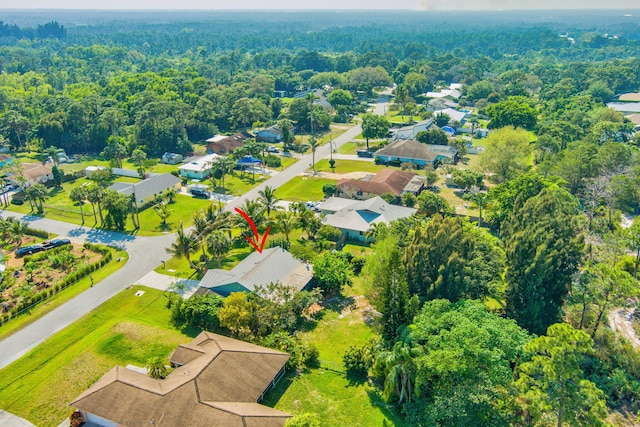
[346, 166]
[302, 189]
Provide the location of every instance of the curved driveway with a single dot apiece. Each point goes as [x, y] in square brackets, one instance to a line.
[145, 254]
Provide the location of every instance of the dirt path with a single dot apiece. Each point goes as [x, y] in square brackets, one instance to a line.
[619, 322]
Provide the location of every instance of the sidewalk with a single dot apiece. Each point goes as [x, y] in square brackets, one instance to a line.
[7, 419]
[163, 282]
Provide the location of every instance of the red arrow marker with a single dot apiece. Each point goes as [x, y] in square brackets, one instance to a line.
[255, 232]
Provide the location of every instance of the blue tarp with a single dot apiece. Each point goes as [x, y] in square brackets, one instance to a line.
[448, 129]
[249, 160]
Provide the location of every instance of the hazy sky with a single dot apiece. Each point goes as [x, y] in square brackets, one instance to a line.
[318, 4]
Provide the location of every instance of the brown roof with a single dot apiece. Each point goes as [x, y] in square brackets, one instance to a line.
[229, 143]
[217, 383]
[36, 170]
[386, 181]
[633, 96]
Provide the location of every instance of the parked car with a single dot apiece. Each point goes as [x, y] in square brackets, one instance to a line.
[365, 153]
[55, 243]
[272, 149]
[28, 250]
[200, 193]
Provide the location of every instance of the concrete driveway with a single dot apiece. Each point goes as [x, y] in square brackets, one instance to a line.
[7, 419]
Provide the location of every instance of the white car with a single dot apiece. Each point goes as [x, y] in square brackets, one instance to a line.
[272, 149]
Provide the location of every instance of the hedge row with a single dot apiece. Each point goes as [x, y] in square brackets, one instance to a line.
[40, 256]
[73, 277]
[37, 233]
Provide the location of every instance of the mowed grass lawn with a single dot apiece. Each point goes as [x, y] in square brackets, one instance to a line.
[346, 166]
[125, 330]
[60, 207]
[339, 401]
[302, 189]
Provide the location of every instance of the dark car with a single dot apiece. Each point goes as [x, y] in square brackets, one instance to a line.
[28, 250]
[55, 243]
[365, 153]
[200, 193]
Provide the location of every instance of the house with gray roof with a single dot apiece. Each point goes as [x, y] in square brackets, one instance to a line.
[258, 269]
[410, 132]
[416, 153]
[149, 188]
[354, 217]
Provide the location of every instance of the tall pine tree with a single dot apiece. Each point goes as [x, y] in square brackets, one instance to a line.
[543, 248]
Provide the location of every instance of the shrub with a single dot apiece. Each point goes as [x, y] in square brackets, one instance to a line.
[329, 232]
[356, 361]
[279, 242]
[329, 189]
[273, 161]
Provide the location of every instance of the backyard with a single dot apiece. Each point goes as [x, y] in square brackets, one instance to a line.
[130, 329]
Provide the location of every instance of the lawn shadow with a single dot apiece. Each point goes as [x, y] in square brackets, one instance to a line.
[389, 410]
[338, 303]
[355, 379]
[275, 394]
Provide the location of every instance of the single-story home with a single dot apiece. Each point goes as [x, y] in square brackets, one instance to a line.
[410, 132]
[390, 181]
[6, 159]
[227, 144]
[417, 153]
[270, 134]
[258, 269]
[172, 158]
[630, 97]
[198, 168]
[218, 382]
[149, 188]
[35, 173]
[454, 115]
[355, 217]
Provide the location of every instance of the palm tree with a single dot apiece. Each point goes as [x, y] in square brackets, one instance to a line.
[17, 229]
[163, 211]
[375, 231]
[221, 166]
[52, 152]
[41, 194]
[310, 223]
[313, 143]
[218, 243]
[269, 199]
[79, 195]
[30, 196]
[95, 194]
[400, 371]
[184, 246]
[286, 222]
[479, 200]
[255, 211]
[156, 368]
[252, 148]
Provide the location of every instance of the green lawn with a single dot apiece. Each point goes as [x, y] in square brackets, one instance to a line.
[60, 207]
[126, 329]
[327, 391]
[346, 166]
[60, 298]
[302, 189]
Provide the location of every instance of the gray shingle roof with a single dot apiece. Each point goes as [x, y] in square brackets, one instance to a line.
[359, 215]
[410, 149]
[260, 269]
[147, 187]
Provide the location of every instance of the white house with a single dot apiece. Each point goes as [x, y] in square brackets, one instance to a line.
[410, 132]
[198, 168]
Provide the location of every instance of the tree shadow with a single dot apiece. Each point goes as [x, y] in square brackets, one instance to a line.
[338, 303]
[275, 394]
[388, 409]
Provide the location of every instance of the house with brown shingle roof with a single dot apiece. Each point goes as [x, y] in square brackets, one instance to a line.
[228, 144]
[389, 181]
[416, 153]
[218, 382]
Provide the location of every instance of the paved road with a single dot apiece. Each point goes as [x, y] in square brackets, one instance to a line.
[145, 254]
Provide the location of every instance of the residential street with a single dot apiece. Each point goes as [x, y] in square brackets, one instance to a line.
[145, 254]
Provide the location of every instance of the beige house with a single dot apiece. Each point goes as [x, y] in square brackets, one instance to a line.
[218, 382]
[387, 181]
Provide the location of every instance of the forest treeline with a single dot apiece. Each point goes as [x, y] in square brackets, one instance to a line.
[495, 308]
